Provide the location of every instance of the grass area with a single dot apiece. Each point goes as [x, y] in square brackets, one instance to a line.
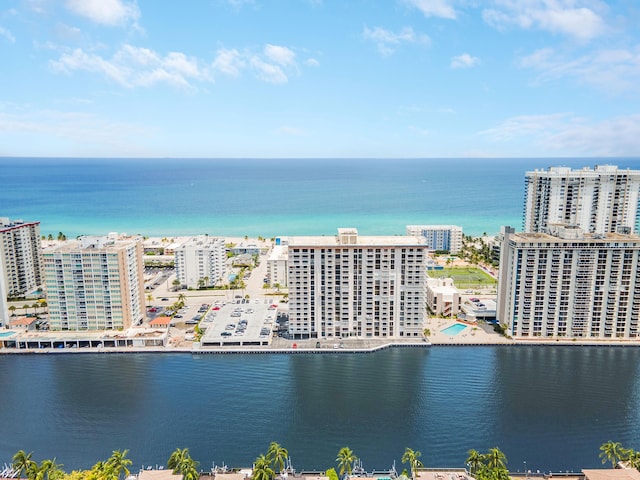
[465, 277]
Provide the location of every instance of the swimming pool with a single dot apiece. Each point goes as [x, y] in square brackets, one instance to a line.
[454, 329]
[6, 334]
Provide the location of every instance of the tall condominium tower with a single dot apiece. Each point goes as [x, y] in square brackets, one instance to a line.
[600, 200]
[569, 284]
[4, 308]
[353, 286]
[200, 261]
[95, 283]
[21, 251]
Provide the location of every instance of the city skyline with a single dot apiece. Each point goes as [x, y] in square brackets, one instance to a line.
[248, 78]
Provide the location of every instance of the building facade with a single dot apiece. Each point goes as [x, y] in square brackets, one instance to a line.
[277, 266]
[443, 298]
[569, 284]
[4, 307]
[95, 283]
[354, 286]
[21, 251]
[599, 200]
[200, 261]
[439, 237]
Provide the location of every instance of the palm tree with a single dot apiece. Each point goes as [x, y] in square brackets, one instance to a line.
[475, 460]
[411, 457]
[12, 309]
[262, 469]
[181, 298]
[118, 463]
[149, 298]
[49, 470]
[26, 308]
[277, 455]
[22, 462]
[181, 462]
[345, 460]
[611, 452]
[633, 459]
[176, 284]
[496, 459]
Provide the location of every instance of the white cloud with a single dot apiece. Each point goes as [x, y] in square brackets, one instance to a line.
[312, 62]
[7, 34]
[268, 72]
[387, 42]
[464, 61]
[579, 19]
[567, 134]
[280, 55]
[136, 67]
[613, 70]
[105, 12]
[229, 62]
[433, 8]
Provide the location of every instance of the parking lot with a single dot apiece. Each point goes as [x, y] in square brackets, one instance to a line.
[236, 323]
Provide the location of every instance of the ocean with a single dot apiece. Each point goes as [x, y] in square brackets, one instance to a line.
[268, 197]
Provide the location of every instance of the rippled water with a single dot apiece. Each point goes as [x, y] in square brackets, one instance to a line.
[549, 406]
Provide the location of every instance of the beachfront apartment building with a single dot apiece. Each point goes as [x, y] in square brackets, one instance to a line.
[4, 306]
[21, 253]
[95, 283]
[277, 262]
[200, 261]
[567, 283]
[599, 200]
[439, 237]
[356, 286]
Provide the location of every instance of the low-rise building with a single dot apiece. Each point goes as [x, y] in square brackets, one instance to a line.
[277, 266]
[439, 237]
[443, 298]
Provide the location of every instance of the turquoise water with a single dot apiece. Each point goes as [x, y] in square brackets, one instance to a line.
[454, 329]
[237, 197]
[6, 334]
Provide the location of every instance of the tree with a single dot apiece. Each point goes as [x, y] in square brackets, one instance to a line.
[611, 452]
[35, 307]
[22, 462]
[181, 463]
[118, 463]
[475, 460]
[496, 459]
[345, 460]
[149, 299]
[61, 236]
[49, 237]
[12, 309]
[176, 284]
[276, 455]
[411, 457]
[49, 470]
[632, 459]
[262, 469]
[332, 474]
[181, 298]
[26, 308]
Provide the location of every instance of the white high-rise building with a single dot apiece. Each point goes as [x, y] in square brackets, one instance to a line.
[277, 266]
[95, 283]
[569, 284]
[200, 261]
[354, 286]
[4, 309]
[599, 200]
[21, 251]
[439, 237]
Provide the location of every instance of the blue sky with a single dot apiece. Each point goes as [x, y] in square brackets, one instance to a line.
[320, 78]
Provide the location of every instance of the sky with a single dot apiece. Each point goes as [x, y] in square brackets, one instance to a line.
[320, 78]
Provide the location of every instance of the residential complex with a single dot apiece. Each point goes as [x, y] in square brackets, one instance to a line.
[95, 283]
[439, 237]
[599, 200]
[4, 308]
[200, 261]
[356, 286]
[277, 266]
[20, 250]
[566, 283]
[443, 298]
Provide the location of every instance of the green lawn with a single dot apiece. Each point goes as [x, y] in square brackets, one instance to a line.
[465, 277]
